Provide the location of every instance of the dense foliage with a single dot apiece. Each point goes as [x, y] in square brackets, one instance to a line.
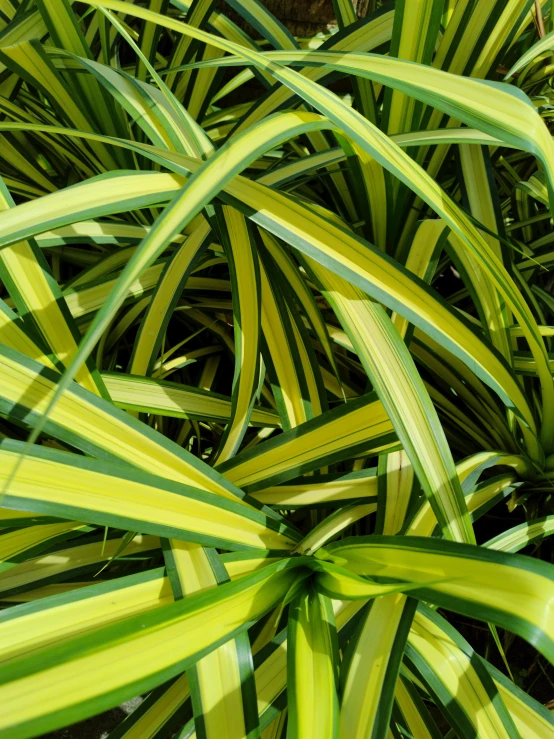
[276, 390]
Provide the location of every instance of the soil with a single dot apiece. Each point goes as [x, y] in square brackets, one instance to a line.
[97, 727]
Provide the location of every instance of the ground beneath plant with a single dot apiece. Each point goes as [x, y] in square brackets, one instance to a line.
[97, 727]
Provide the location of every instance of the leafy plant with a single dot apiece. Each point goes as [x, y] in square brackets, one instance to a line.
[275, 341]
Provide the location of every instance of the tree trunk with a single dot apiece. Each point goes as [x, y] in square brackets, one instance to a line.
[302, 17]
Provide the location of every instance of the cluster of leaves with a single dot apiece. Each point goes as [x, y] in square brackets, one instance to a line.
[274, 334]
